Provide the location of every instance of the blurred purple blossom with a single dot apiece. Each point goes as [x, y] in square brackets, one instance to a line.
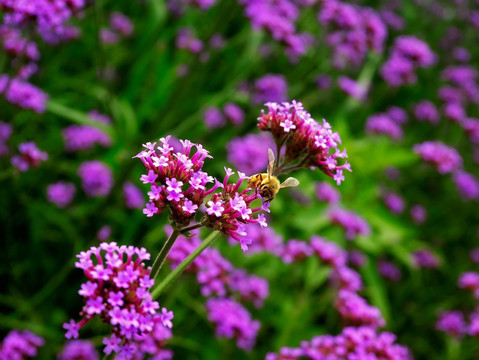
[134, 197]
[97, 178]
[30, 156]
[250, 153]
[351, 222]
[418, 213]
[84, 137]
[353, 88]
[467, 185]
[270, 88]
[424, 258]
[388, 270]
[354, 310]
[23, 94]
[231, 320]
[233, 113]
[213, 118]
[445, 158]
[295, 250]
[327, 193]
[383, 124]
[78, 349]
[393, 202]
[425, 110]
[20, 344]
[452, 323]
[61, 193]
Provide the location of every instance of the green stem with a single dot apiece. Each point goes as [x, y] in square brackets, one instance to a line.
[160, 259]
[180, 268]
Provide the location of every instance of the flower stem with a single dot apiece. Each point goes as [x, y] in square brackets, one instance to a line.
[184, 264]
[160, 259]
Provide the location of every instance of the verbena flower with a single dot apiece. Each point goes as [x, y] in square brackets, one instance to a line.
[213, 118]
[134, 198]
[176, 179]
[78, 349]
[61, 193]
[295, 250]
[445, 158]
[233, 113]
[345, 278]
[397, 114]
[30, 156]
[353, 224]
[362, 342]
[263, 239]
[118, 291]
[249, 153]
[97, 178]
[23, 94]
[308, 143]
[353, 88]
[467, 185]
[424, 258]
[393, 202]
[20, 344]
[356, 311]
[230, 210]
[425, 110]
[84, 137]
[327, 193]
[452, 323]
[231, 320]
[328, 252]
[389, 270]
[185, 39]
[383, 124]
[6, 130]
[418, 214]
[216, 275]
[271, 87]
[121, 24]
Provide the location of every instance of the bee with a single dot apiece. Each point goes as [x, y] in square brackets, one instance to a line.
[268, 185]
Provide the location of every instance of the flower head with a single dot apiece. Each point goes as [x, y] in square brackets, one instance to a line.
[308, 143]
[117, 291]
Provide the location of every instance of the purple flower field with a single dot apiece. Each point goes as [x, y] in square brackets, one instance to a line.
[239, 179]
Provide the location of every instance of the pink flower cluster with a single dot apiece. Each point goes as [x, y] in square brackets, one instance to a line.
[352, 223]
[353, 343]
[30, 156]
[84, 137]
[118, 291]
[354, 31]
[308, 144]
[445, 158]
[19, 345]
[168, 171]
[232, 320]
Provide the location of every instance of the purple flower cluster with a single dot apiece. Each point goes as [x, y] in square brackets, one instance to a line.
[418, 214]
[467, 185]
[278, 17]
[186, 40]
[471, 126]
[271, 87]
[249, 154]
[214, 118]
[354, 31]
[168, 171]
[424, 258]
[120, 26]
[393, 202]
[351, 222]
[327, 193]
[19, 345]
[230, 210]
[232, 320]
[452, 323]
[6, 130]
[308, 143]
[383, 124]
[78, 349]
[263, 239]
[134, 198]
[216, 275]
[49, 18]
[30, 156]
[425, 110]
[23, 94]
[295, 250]
[356, 311]
[328, 252]
[408, 54]
[61, 193]
[84, 137]
[117, 291]
[353, 88]
[362, 342]
[389, 270]
[97, 178]
[445, 158]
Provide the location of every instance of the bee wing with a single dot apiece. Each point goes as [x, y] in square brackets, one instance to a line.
[270, 162]
[289, 182]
